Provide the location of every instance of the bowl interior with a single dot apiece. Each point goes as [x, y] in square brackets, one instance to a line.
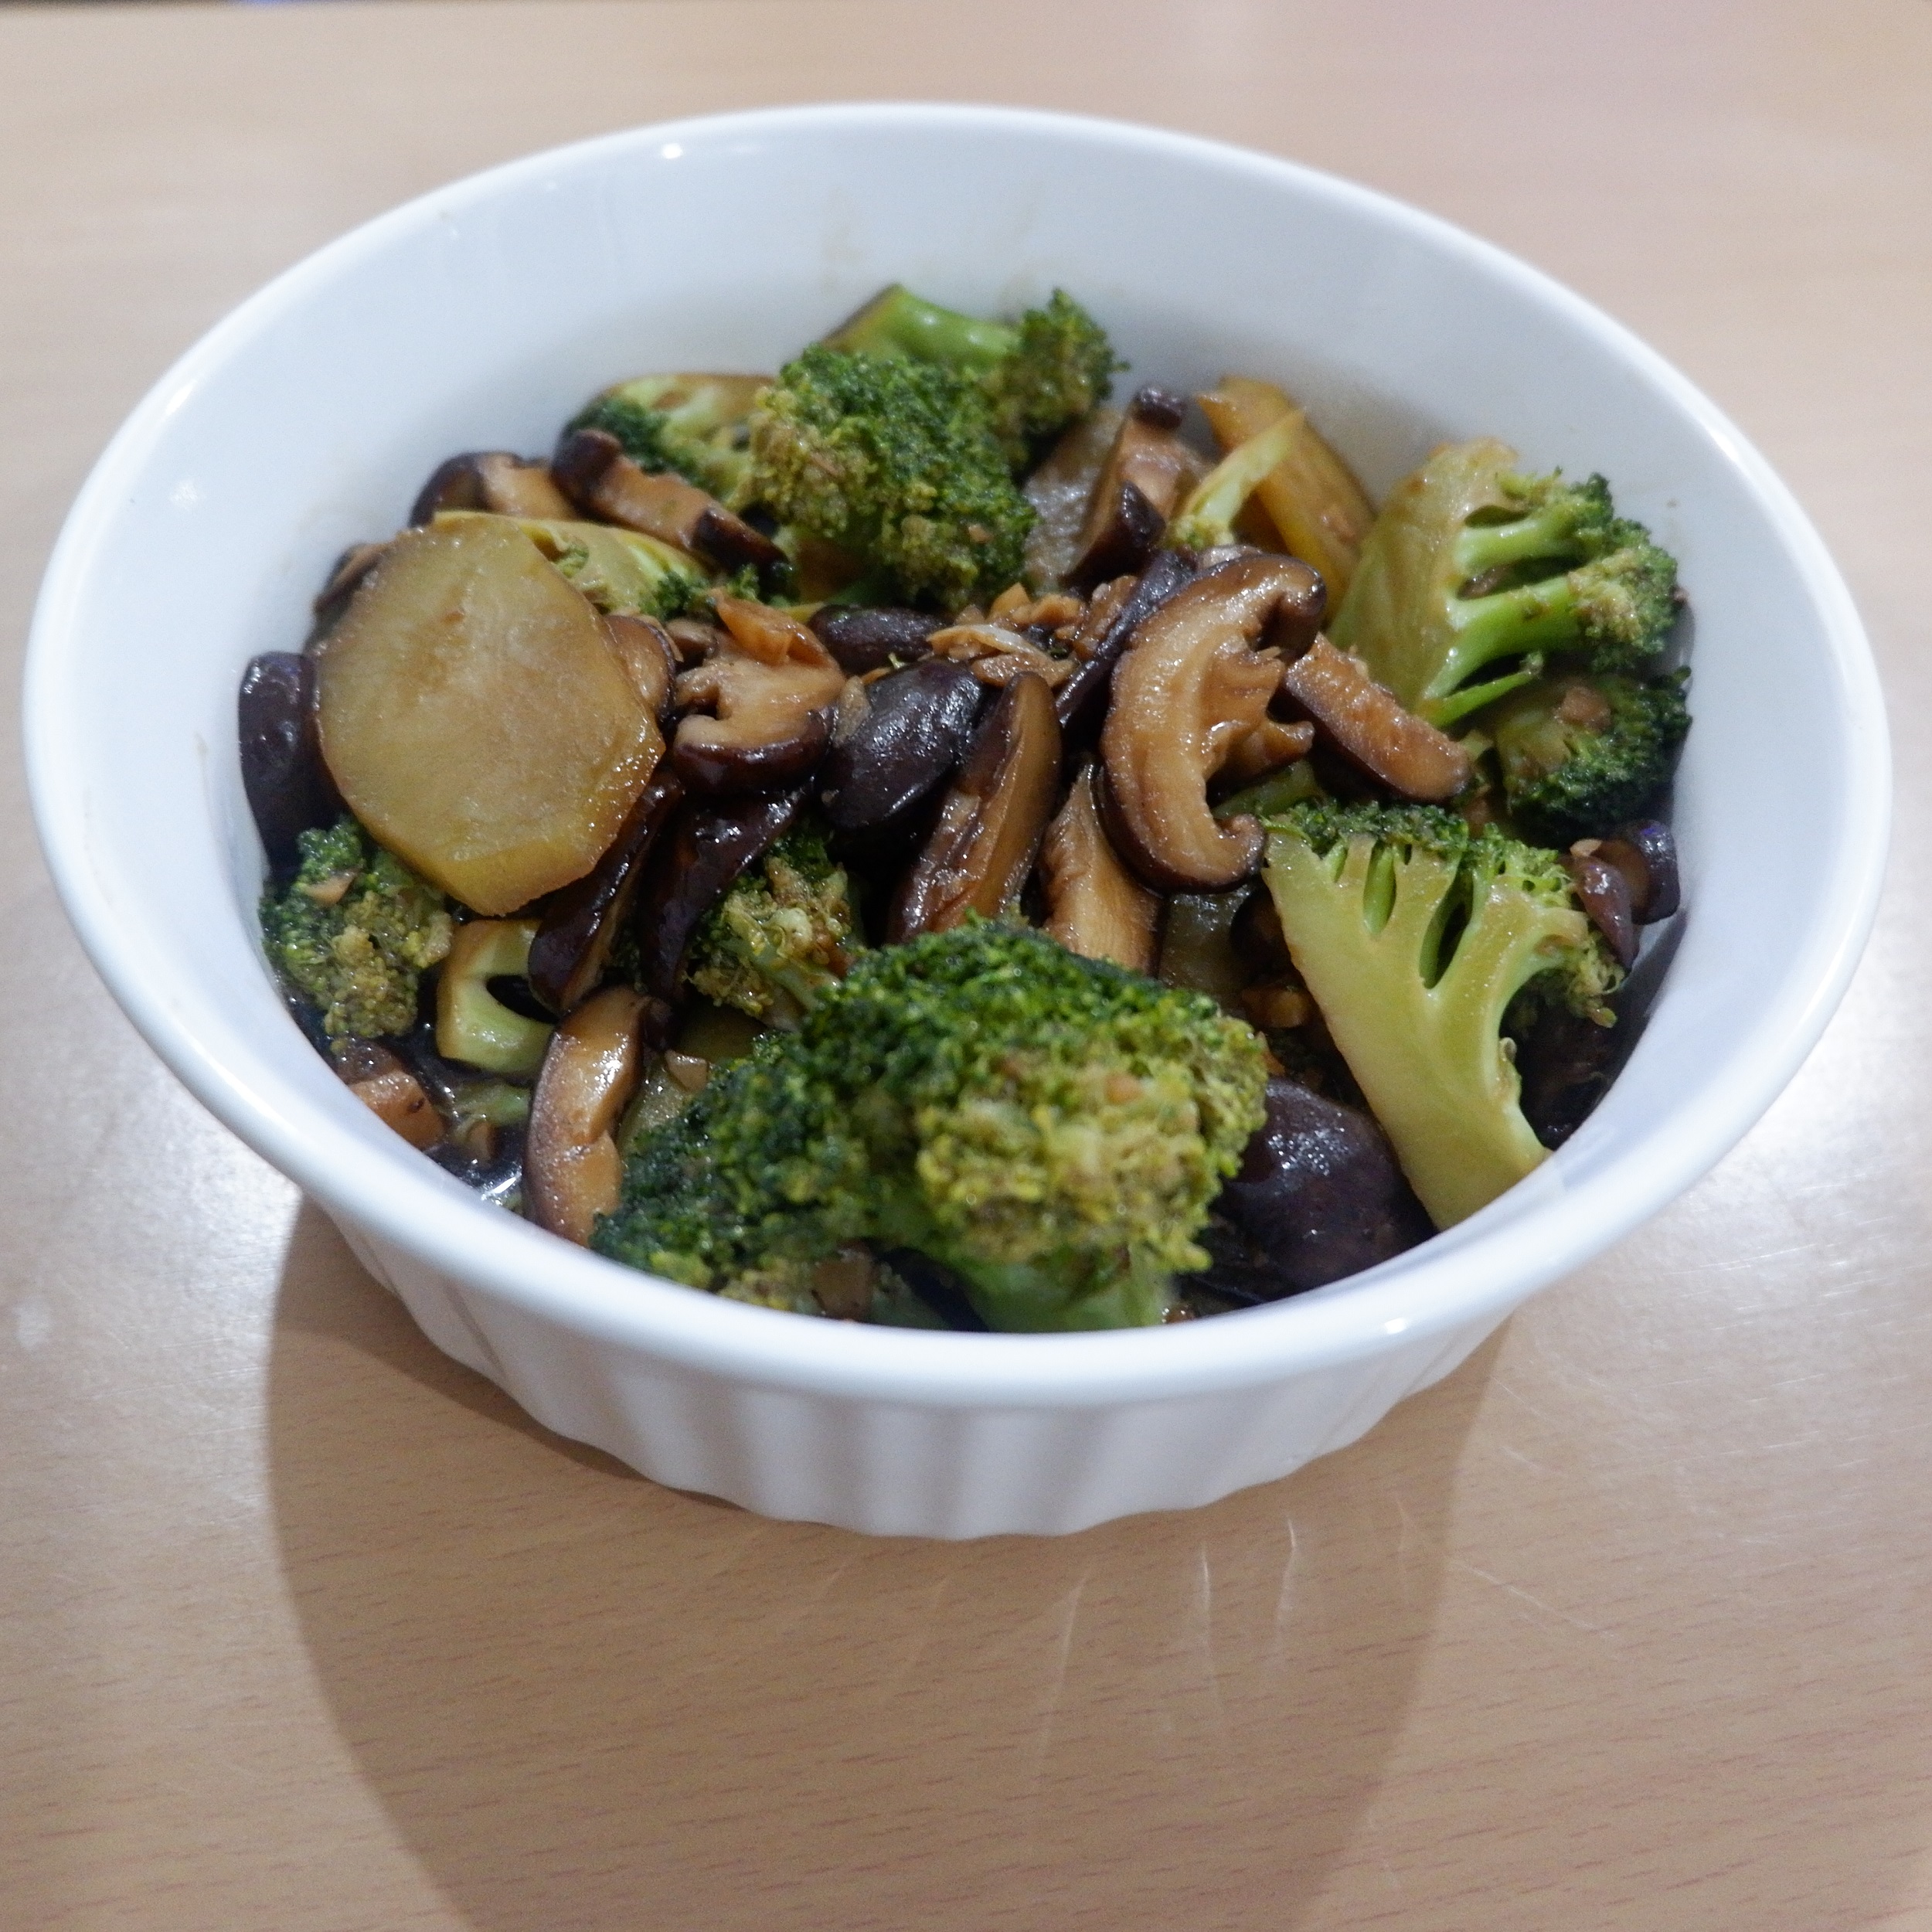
[482, 315]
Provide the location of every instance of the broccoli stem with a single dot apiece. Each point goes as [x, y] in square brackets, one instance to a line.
[1548, 533]
[897, 322]
[1533, 617]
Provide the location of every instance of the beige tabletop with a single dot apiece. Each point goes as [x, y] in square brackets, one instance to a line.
[1625, 1626]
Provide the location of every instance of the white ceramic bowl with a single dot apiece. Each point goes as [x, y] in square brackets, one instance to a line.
[481, 315]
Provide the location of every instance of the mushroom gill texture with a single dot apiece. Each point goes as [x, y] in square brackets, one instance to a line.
[768, 686]
[571, 1166]
[492, 480]
[1194, 682]
[1373, 727]
[989, 828]
[1096, 907]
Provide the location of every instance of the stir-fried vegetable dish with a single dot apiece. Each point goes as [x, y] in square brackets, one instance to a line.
[911, 839]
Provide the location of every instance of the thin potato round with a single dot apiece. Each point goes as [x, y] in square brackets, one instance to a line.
[477, 719]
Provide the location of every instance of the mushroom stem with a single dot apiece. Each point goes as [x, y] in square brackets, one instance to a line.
[571, 1169]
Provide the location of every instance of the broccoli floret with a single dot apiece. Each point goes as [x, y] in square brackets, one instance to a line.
[780, 936]
[1052, 1128]
[1413, 936]
[897, 462]
[354, 930]
[696, 425]
[1038, 375]
[1470, 562]
[1579, 754]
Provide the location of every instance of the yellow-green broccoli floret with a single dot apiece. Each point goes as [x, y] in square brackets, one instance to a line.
[1052, 1128]
[1414, 936]
[896, 462]
[354, 930]
[782, 935]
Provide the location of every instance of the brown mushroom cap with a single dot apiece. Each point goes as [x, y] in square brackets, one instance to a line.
[571, 1169]
[592, 466]
[989, 828]
[388, 1089]
[1096, 907]
[491, 479]
[644, 648]
[1191, 686]
[1139, 485]
[771, 685]
[1374, 730]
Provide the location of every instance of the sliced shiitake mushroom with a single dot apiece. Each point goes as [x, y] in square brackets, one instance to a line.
[914, 727]
[1319, 1196]
[1192, 683]
[1371, 726]
[771, 685]
[1111, 621]
[388, 1089]
[1603, 890]
[592, 467]
[1060, 489]
[989, 828]
[708, 842]
[491, 479]
[581, 923]
[1646, 854]
[571, 1169]
[1142, 480]
[649, 657]
[1273, 743]
[290, 791]
[870, 637]
[1096, 907]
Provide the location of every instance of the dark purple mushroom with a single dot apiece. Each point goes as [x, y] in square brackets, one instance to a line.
[491, 479]
[1605, 893]
[1081, 702]
[1646, 854]
[289, 788]
[916, 726]
[863, 637]
[1139, 485]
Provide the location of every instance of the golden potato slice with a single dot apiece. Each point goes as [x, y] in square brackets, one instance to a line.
[476, 718]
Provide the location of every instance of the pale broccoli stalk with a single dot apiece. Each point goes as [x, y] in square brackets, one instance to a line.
[782, 935]
[1053, 1129]
[1205, 521]
[1414, 938]
[353, 932]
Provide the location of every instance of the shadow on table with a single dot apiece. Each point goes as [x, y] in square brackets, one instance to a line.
[590, 1701]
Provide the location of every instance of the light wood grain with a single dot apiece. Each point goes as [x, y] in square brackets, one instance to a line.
[1625, 1626]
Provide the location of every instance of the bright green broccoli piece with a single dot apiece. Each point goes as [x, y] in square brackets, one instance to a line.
[1579, 754]
[1414, 936]
[896, 462]
[1470, 562]
[354, 930]
[696, 425]
[1052, 1128]
[1038, 375]
[782, 935]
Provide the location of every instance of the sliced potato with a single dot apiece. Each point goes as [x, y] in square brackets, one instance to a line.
[476, 718]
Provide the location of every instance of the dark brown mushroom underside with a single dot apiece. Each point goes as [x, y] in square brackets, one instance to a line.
[1372, 727]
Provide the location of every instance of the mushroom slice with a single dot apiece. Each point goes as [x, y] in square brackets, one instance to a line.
[580, 923]
[1111, 621]
[592, 466]
[290, 791]
[388, 1089]
[1646, 854]
[1060, 489]
[1370, 725]
[873, 637]
[914, 727]
[705, 847]
[1603, 891]
[772, 689]
[1192, 685]
[1096, 907]
[1272, 744]
[571, 1166]
[1139, 485]
[644, 649]
[989, 828]
[491, 479]
[998, 656]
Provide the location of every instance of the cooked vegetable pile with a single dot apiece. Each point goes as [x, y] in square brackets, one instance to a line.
[908, 840]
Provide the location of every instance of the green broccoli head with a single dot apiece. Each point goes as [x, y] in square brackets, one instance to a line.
[694, 425]
[1038, 375]
[1579, 754]
[1470, 562]
[782, 935]
[897, 462]
[1414, 936]
[354, 930]
[1053, 1128]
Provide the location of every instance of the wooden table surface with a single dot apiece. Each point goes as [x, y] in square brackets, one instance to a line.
[1625, 1626]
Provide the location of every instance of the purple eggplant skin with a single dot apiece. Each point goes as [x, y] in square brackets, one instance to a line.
[582, 922]
[1081, 703]
[863, 637]
[1319, 1196]
[917, 727]
[706, 845]
[289, 788]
